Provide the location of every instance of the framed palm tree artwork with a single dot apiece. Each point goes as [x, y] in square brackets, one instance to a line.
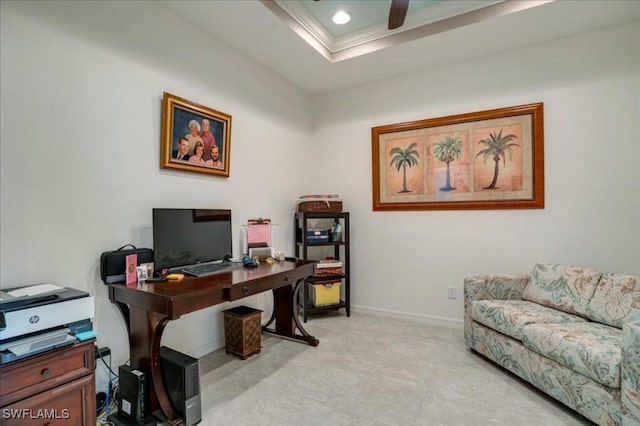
[490, 159]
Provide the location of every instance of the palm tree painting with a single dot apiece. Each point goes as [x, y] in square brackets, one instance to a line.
[445, 163]
[401, 158]
[496, 148]
[448, 149]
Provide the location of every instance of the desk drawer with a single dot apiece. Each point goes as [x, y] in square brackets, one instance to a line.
[30, 376]
[254, 287]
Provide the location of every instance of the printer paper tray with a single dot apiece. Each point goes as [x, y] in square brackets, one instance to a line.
[21, 348]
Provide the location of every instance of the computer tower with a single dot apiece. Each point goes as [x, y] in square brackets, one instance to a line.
[132, 402]
[181, 378]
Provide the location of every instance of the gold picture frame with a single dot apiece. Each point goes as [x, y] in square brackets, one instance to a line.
[490, 159]
[205, 131]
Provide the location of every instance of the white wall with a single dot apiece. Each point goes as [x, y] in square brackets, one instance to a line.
[82, 85]
[80, 119]
[404, 261]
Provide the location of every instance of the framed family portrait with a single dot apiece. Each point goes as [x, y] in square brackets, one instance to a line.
[490, 159]
[195, 138]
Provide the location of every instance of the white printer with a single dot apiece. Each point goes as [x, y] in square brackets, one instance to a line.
[41, 317]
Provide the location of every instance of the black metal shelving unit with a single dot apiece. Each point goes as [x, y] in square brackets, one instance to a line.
[304, 250]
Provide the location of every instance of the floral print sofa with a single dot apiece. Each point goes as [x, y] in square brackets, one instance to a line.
[572, 332]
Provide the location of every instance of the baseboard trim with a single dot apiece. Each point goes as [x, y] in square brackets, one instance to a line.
[207, 349]
[427, 319]
[386, 313]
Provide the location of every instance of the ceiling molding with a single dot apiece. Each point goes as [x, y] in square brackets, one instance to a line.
[306, 20]
[441, 17]
[300, 28]
[253, 30]
[419, 18]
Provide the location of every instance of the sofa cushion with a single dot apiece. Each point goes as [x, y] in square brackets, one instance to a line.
[510, 316]
[588, 348]
[567, 288]
[598, 403]
[615, 298]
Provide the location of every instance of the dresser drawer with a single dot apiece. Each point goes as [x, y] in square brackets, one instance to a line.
[31, 376]
[71, 404]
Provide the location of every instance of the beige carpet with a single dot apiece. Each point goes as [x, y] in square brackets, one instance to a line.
[370, 370]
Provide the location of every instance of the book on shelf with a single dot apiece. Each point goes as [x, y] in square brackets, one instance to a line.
[329, 263]
[326, 272]
[317, 235]
[328, 267]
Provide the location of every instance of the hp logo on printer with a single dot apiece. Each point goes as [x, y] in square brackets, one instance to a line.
[34, 319]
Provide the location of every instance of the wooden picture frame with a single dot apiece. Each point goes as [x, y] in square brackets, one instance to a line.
[184, 123]
[490, 159]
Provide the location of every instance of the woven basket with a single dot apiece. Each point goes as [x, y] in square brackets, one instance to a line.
[242, 328]
[327, 206]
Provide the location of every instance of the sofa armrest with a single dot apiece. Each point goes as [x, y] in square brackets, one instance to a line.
[490, 287]
[631, 370]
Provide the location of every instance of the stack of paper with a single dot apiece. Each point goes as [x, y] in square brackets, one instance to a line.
[259, 233]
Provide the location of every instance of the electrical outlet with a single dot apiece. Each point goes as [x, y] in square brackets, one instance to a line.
[451, 292]
[103, 375]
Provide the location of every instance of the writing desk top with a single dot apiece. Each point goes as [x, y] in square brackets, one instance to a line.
[174, 298]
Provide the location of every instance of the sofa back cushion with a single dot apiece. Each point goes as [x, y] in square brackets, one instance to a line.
[567, 288]
[615, 298]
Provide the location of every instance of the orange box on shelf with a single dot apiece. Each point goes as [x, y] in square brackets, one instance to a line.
[323, 272]
[329, 267]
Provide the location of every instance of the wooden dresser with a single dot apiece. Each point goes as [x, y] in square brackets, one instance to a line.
[55, 388]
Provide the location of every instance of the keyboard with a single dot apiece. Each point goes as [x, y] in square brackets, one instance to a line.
[203, 269]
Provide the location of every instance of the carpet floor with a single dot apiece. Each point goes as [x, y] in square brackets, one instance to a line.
[370, 370]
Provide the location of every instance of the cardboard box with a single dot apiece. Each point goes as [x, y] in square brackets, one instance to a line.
[324, 293]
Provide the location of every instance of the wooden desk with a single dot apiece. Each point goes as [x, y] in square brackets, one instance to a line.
[147, 309]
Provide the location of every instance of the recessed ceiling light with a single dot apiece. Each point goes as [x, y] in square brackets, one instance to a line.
[341, 18]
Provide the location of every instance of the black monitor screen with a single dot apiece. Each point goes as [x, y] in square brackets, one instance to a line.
[188, 236]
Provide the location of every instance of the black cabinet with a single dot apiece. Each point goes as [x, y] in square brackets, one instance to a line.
[310, 248]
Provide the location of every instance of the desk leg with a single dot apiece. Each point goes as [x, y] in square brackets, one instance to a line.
[285, 314]
[146, 330]
[124, 310]
[305, 301]
[296, 317]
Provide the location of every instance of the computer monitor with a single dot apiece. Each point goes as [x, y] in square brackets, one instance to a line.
[188, 236]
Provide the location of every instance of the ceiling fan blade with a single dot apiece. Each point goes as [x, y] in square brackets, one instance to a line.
[397, 13]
